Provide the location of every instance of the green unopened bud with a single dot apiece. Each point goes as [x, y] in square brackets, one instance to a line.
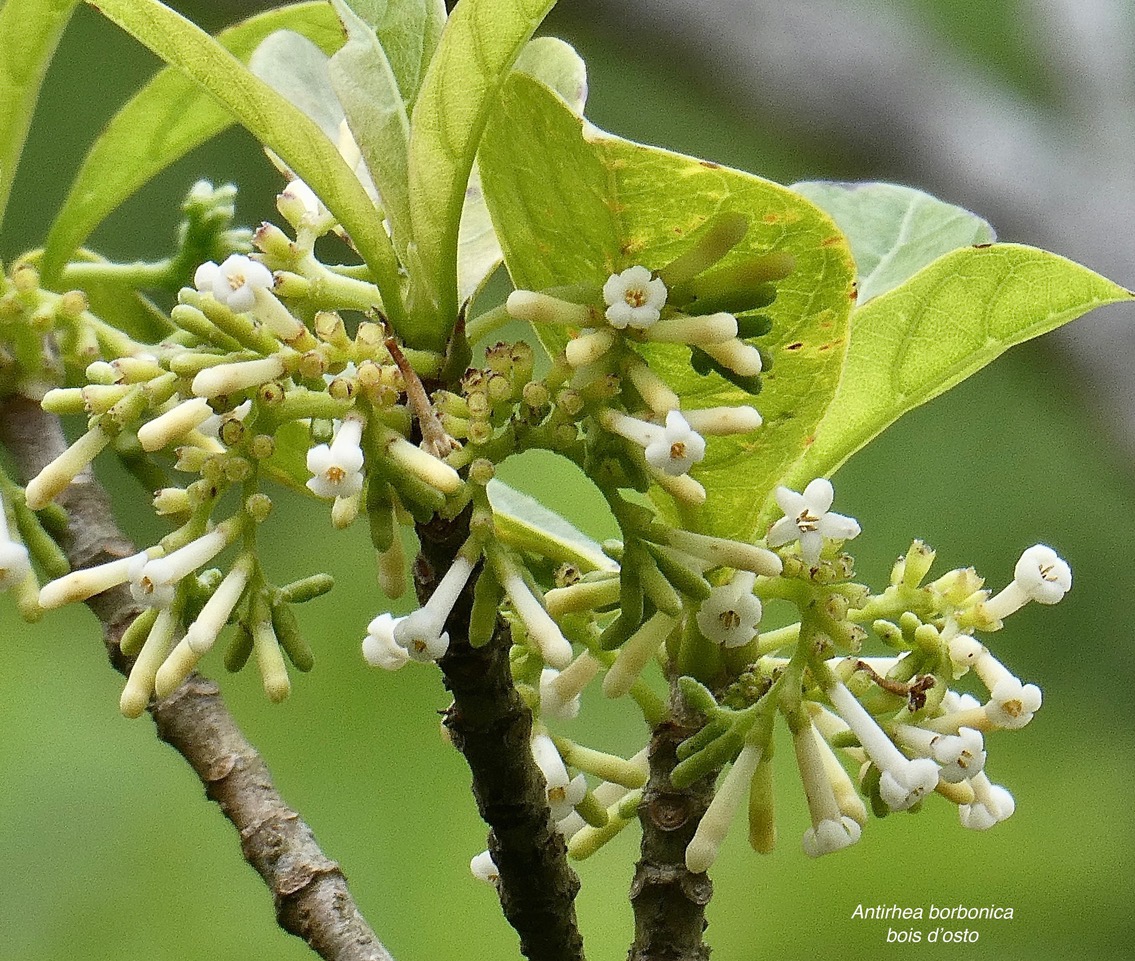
[487, 597]
[135, 634]
[306, 588]
[72, 304]
[762, 809]
[258, 506]
[919, 559]
[719, 236]
[239, 649]
[287, 630]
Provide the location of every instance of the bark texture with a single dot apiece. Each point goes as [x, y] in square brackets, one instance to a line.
[310, 891]
[490, 725]
[669, 902]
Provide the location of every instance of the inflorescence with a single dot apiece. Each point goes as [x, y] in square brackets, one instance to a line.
[280, 369]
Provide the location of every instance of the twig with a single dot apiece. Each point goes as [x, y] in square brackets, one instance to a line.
[669, 902]
[491, 726]
[309, 889]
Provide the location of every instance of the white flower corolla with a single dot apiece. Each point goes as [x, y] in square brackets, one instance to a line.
[202, 633]
[14, 564]
[153, 581]
[991, 805]
[964, 652]
[808, 519]
[298, 198]
[703, 848]
[380, 649]
[831, 835]
[960, 755]
[1040, 575]
[14, 561]
[234, 282]
[555, 649]
[563, 792]
[337, 468]
[174, 424]
[484, 868]
[552, 703]
[729, 616]
[1012, 704]
[902, 782]
[422, 633]
[85, 582]
[633, 299]
[675, 448]
[831, 829]
[901, 786]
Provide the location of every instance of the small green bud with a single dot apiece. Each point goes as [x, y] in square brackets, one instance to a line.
[306, 588]
[481, 471]
[258, 506]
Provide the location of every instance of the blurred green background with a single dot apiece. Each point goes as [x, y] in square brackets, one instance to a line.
[109, 850]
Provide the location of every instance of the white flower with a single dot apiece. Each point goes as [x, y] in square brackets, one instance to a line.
[1012, 704]
[961, 755]
[807, 518]
[831, 829]
[831, 835]
[703, 848]
[564, 793]
[729, 616]
[991, 804]
[484, 868]
[14, 561]
[153, 581]
[422, 633]
[14, 564]
[379, 647]
[552, 702]
[633, 299]
[555, 649]
[1040, 575]
[903, 785]
[902, 782]
[675, 448]
[235, 282]
[338, 468]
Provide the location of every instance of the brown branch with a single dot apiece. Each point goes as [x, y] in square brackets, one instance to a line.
[669, 902]
[491, 726]
[310, 890]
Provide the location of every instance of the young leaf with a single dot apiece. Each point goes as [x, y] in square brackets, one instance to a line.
[574, 206]
[894, 231]
[274, 122]
[555, 64]
[365, 85]
[296, 68]
[945, 323]
[162, 122]
[526, 524]
[408, 31]
[29, 32]
[478, 48]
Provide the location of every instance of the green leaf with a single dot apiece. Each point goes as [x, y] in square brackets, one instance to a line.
[408, 31]
[894, 231]
[945, 323]
[162, 122]
[296, 68]
[366, 87]
[574, 205]
[274, 122]
[555, 64]
[29, 33]
[478, 48]
[524, 523]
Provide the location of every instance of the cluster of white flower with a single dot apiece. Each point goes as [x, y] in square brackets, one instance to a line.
[671, 441]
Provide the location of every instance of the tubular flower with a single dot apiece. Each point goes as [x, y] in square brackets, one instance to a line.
[633, 299]
[380, 649]
[808, 519]
[1040, 575]
[564, 792]
[337, 468]
[422, 633]
[234, 283]
[729, 616]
